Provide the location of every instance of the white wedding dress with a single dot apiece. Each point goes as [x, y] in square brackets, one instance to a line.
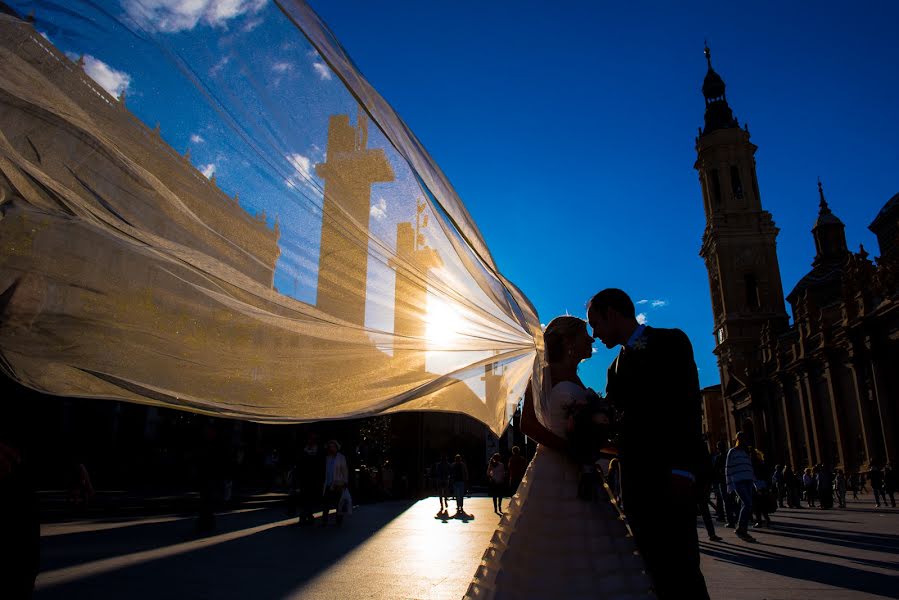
[550, 543]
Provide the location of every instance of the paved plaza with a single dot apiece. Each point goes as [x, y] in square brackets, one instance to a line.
[398, 550]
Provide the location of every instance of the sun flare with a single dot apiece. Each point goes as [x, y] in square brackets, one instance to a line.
[443, 322]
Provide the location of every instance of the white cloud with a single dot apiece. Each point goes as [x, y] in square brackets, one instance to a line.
[379, 209]
[302, 176]
[282, 67]
[196, 138]
[252, 24]
[208, 170]
[659, 303]
[171, 16]
[322, 69]
[217, 67]
[112, 80]
[302, 164]
[642, 301]
[641, 319]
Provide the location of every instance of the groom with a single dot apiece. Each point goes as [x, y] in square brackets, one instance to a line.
[654, 387]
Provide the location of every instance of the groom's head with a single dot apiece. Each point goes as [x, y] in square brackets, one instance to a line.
[611, 315]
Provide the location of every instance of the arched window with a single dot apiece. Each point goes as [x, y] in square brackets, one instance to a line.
[735, 182]
[752, 291]
[715, 182]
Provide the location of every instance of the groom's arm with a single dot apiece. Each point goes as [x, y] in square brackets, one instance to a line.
[685, 418]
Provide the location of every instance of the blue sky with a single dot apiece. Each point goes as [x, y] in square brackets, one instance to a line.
[567, 128]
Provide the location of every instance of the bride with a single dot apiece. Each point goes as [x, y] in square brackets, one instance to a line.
[550, 543]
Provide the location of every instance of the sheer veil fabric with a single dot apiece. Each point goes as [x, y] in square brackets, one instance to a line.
[208, 207]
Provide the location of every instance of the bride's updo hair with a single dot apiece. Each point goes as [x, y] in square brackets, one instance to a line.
[557, 334]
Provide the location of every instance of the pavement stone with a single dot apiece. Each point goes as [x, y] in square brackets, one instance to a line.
[400, 550]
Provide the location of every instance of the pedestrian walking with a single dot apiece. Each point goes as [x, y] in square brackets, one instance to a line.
[839, 488]
[459, 474]
[889, 485]
[763, 502]
[875, 475]
[496, 481]
[309, 476]
[853, 485]
[703, 485]
[808, 486]
[442, 476]
[777, 485]
[723, 507]
[337, 477]
[824, 487]
[517, 466]
[740, 479]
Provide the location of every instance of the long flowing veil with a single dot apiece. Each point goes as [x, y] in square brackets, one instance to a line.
[206, 206]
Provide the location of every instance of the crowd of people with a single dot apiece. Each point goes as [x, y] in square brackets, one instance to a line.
[746, 490]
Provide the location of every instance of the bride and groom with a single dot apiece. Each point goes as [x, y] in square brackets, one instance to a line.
[553, 544]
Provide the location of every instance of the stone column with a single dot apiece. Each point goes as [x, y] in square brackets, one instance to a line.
[864, 421]
[803, 408]
[838, 425]
[788, 424]
[882, 401]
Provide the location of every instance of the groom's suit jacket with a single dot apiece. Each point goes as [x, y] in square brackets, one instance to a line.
[654, 387]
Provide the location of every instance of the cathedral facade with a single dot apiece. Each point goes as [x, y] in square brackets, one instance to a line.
[823, 389]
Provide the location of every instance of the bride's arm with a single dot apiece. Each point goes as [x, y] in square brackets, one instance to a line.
[532, 427]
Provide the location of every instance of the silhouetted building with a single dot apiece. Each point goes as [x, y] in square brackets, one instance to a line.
[824, 389]
[717, 422]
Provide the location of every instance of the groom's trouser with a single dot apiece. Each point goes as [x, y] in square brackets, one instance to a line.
[664, 527]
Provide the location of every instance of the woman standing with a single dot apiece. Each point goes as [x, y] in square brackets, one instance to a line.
[496, 482]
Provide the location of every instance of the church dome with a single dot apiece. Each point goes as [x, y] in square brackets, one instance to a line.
[712, 85]
[882, 216]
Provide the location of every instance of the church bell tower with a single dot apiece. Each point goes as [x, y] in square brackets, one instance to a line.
[739, 247]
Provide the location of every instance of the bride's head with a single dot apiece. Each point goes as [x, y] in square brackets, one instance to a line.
[567, 341]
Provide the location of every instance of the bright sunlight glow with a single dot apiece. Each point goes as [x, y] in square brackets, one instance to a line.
[443, 322]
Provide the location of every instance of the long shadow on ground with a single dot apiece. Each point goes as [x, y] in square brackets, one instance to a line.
[265, 564]
[839, 576]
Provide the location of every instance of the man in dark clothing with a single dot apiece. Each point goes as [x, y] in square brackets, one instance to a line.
[875, 475]
[310, 479]
[889, 485]
[517, 466]
[723, 507]
[654, 387]
[459, 475]
[442, 476]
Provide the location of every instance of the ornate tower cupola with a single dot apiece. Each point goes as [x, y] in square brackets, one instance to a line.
[829, 233]
[718, 114]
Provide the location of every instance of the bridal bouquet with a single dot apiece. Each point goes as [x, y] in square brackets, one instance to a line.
[589, 429]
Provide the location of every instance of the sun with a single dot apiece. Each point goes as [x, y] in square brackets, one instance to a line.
[443, 323]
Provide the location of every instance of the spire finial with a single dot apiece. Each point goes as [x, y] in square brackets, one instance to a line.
[862, 252]
[823, 203]
[708, 53]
